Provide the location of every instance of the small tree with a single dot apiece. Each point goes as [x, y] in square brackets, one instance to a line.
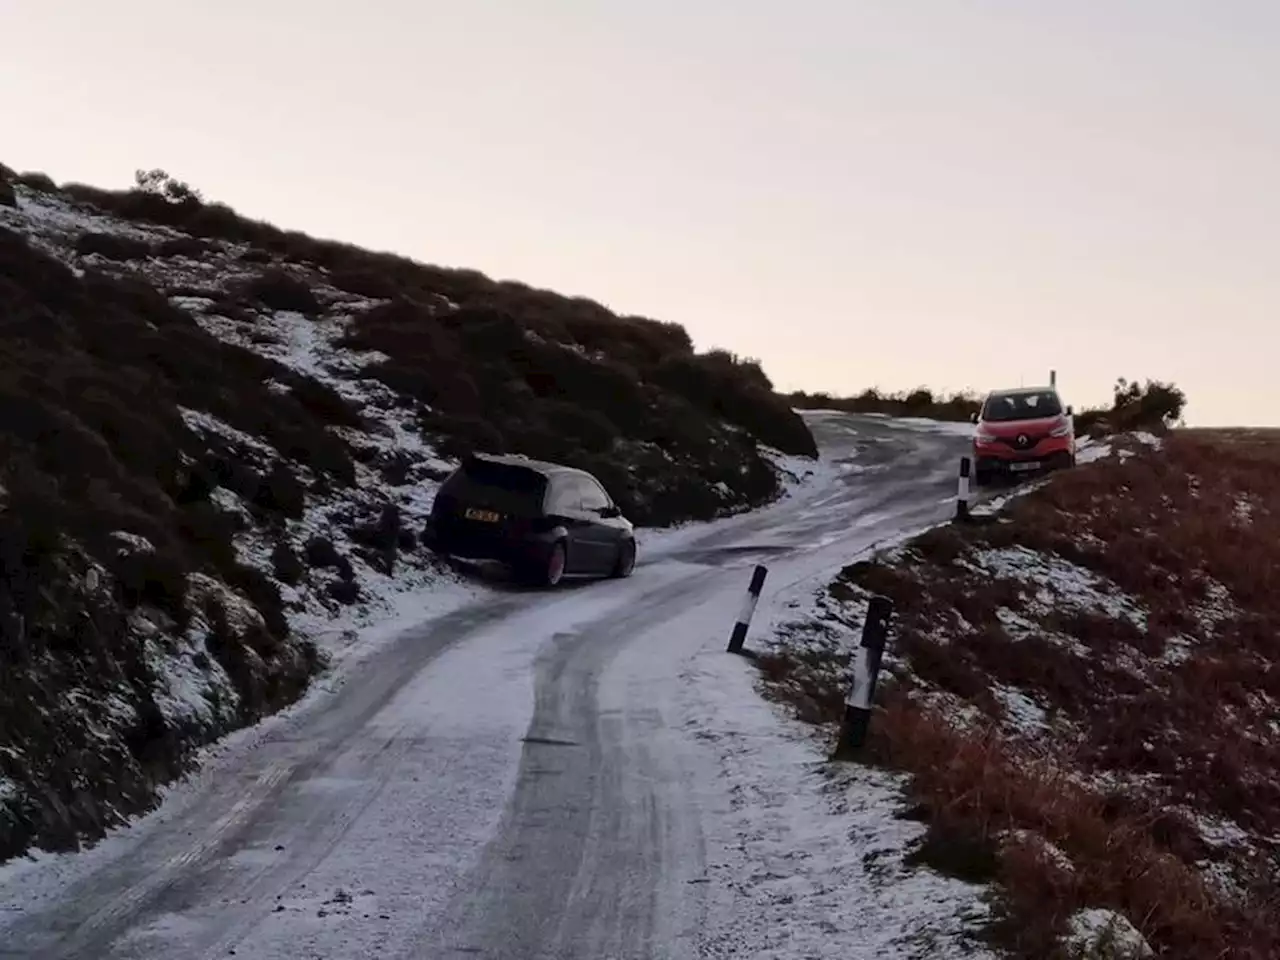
[161, 184]
[919, 399]
[1151, 404]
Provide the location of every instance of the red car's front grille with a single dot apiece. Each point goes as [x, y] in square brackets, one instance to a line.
[1024, 441]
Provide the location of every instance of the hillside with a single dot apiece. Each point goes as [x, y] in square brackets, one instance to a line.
[1081, 694]
[218, 435]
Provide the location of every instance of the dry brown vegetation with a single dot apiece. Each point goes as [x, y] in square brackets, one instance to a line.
[1136, 604]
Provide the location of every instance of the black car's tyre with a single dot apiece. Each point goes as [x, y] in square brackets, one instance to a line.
[626, 562]
[553, 570]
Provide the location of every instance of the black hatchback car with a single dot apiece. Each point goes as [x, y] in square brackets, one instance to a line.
[543, 520]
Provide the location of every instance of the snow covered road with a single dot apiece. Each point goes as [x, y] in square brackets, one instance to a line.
[539, 775]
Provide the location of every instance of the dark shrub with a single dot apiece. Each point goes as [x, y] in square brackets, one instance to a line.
[282, 492]
[1152, 405]
[920, 399]
[151, 578]
[586, 428]
[382, 533]
[36, 181]
[345, 592]
[738, 392]
[460, 436]
[365, 283]
[324, 402]
[286, 565]
[263, 594]
[320, 552]
[277, 290]
[183, 247]
[113, 246]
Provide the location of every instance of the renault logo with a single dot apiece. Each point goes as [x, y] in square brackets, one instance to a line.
[1023, 440]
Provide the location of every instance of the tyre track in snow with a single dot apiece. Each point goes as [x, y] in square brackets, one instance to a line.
[176, 865]
[577, 862]
[604, 824]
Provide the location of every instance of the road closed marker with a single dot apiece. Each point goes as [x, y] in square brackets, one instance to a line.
[866, 671]
[739, 635]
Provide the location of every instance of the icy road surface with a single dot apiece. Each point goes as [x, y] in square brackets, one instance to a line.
[582, 773]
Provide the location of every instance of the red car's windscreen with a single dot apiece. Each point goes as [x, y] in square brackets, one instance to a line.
[1031, 405]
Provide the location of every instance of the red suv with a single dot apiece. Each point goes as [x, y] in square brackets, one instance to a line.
[1022, 431]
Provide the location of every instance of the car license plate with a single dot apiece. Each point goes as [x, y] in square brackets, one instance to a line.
[1026, 465]
[487, 516]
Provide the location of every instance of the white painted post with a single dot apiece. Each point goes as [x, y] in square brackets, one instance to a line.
[962, 491]
[866, 673]
[739, 634]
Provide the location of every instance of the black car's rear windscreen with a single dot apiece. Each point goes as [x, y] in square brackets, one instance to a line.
[501, 486]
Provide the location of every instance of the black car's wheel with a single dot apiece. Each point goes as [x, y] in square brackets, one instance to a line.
[626, 562]
[553, 571]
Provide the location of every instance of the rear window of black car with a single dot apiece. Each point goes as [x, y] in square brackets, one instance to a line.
[503, 486]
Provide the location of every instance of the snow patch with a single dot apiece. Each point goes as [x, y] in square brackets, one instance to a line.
[1090, 451]
[129, 544]
[1105, 934]
[189, 686]
[207, 423]
[1058, 582]
[1021, 712]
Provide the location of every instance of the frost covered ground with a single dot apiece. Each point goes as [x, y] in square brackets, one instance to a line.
[1087, 661]
[815, 858]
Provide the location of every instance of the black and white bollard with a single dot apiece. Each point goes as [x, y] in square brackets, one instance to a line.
[866, 671]
[962, 492]
[739, 635]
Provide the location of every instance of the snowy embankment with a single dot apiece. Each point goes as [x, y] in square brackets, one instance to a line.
[395, 466]
[1080, 696]
[233, 493]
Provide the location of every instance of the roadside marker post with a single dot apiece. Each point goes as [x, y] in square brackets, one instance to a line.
[739, 635]
[866, 673]
[962, 492]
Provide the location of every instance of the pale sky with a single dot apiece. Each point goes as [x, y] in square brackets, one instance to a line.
[899, 192]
